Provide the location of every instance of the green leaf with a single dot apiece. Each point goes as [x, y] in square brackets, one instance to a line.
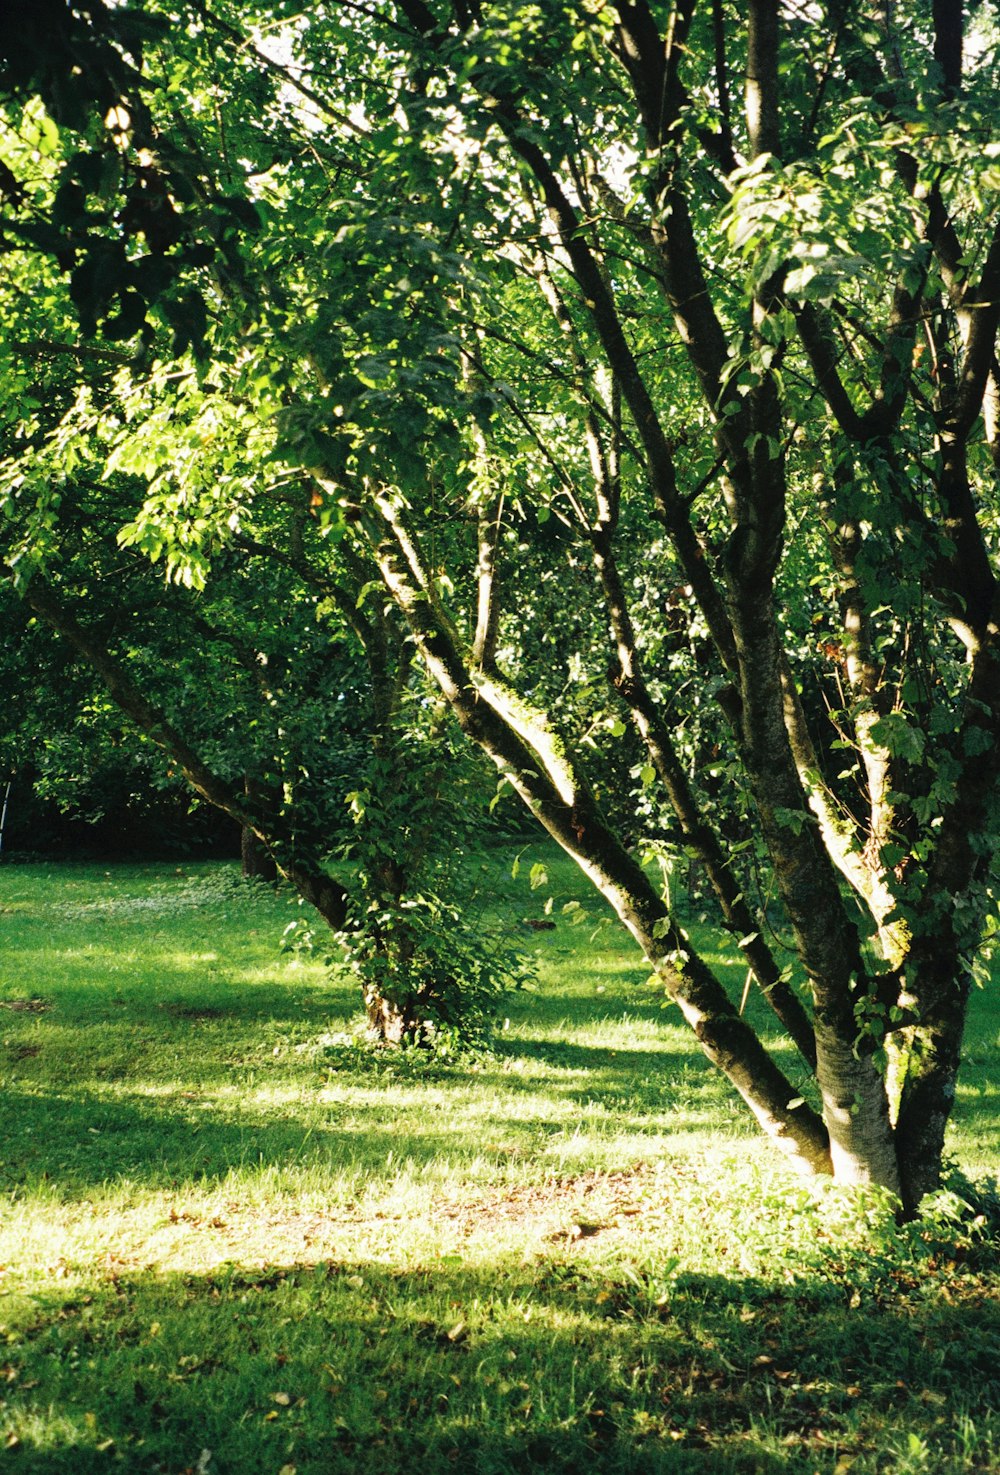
[899, 736]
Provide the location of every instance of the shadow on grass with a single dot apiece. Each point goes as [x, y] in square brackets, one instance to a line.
[79, 1139]
[650, 1082]
[81, 1135]
[638, 1065]
[354, 1367]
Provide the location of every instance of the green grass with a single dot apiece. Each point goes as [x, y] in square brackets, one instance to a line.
[234, 1243]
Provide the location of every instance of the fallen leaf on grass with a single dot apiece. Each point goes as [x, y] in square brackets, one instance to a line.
[283, 1398]
[582, 1230]
[574, 1232]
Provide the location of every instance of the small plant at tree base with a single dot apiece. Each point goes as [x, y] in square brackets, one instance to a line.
[430, 976]
[430, 967]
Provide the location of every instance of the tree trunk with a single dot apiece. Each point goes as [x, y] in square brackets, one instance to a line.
[931, 1053]
[257, 862]
[388, 1022]
[856, 1113]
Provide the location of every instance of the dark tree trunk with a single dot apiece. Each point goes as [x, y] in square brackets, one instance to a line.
[932, 1052]
[257, 862]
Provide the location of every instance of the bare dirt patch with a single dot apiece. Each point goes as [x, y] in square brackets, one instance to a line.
[563, 1210]
[602, 1208]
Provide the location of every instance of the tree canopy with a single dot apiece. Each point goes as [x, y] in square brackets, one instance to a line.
[634, 365]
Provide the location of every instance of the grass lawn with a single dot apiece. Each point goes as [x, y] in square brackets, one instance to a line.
[232, 1242]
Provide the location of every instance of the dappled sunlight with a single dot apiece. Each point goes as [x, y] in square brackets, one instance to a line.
[467, 1125]
[224, 1212]
[571, 1352]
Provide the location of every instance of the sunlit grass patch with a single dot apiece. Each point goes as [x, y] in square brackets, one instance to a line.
[234, 1239]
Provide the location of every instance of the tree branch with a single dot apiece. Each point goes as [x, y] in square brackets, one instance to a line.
[319, 889]
[519, 740]
[762, 90]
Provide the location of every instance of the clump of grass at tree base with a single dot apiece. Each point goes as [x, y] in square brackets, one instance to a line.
[233, 1241]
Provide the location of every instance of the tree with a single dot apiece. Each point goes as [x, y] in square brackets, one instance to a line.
[534, 285]
[285, 695]
[77, 775]
[832, 290]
